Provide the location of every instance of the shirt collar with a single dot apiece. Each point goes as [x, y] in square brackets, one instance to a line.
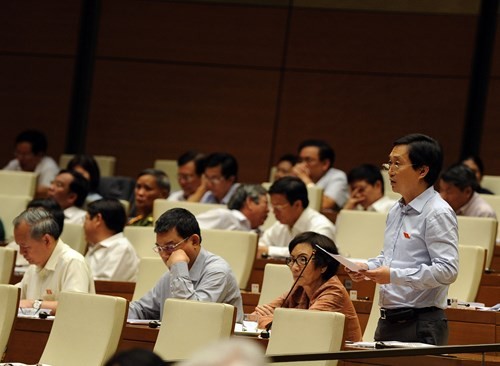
[52, 262]
[418, 202]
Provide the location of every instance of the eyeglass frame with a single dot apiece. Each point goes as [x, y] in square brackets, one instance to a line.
[387, 166]
[169, 248]
[290, 261]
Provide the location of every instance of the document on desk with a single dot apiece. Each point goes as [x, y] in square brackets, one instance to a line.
[342, 260]
[388, 344]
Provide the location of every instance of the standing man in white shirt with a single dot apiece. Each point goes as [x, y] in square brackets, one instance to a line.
[29, 152]
[111, 256]
[70, 189]
[54, 266]
[366, 185]
[290, 205]
[315, 168]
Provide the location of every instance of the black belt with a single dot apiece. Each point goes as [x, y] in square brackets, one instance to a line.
[404, 314]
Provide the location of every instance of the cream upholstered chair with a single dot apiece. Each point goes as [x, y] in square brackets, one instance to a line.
[480, 231]
[471, 267]
[106, 163]
[7, 264]
[74, 236]
[277, 280]
[494, 202]
[190, 325]
[238, 248]
[491, 182]
[161, 205]
[371, 326]
[306, 331]
[10, 208]
[9, 302]
[143, 239]
[170, 168]
[86, 329]
[360, 234]
[150, 271]
[18, 183]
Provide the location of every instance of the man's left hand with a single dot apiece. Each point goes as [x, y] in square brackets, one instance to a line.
[177, 256]
[380, 275]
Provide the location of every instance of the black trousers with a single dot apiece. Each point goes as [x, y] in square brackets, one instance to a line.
[430, 328]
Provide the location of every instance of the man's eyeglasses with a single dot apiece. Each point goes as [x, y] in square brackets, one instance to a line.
[300, 261]
[279, 207]
[214, 180]
[387, 166]
[186, 177]
[169, 248]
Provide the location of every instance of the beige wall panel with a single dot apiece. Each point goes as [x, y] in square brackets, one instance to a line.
[141, 112]
[186, 32]
[34, 93]
[361, 115]
[381, 42]
[46, 27]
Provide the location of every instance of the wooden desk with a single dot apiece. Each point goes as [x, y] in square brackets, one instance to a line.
[489, 289]
[452, 360]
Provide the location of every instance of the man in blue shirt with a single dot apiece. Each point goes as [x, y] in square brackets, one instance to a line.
[420, 256]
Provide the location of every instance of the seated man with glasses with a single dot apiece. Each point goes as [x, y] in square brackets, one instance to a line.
[316, 285]
[221, 174]
[367, 190]
[289, 202]
[190, 167]
[194, 273]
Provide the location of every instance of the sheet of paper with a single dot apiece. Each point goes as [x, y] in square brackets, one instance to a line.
[342, 260]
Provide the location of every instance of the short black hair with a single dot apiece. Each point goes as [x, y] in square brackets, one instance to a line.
[50, 205]
[88, 163]
[112, 213]
[478, 161]
[179, 218]
[134, 357]
[228, 163]
[288, 157]
[460, 176]
[80, 186]
[321, 259]
[368, 172]
[293, 188]
[196, 157]
[423, 150]
[325, 150]
[37, 140]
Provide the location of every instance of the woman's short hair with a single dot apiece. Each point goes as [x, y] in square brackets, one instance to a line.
[321, 259]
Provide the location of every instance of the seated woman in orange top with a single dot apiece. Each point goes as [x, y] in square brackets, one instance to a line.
[318, 288]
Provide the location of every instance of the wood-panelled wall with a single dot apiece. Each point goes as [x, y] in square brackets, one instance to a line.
[247, 79]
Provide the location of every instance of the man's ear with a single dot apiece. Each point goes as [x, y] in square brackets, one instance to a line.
[195, 238]
[423, 171]
[72, 196]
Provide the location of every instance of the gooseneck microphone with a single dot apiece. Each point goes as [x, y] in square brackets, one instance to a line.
[265, 333]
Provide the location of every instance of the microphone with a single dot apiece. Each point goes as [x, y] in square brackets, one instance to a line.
[265, 333]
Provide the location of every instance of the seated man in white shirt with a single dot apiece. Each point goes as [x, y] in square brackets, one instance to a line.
[221, 174]
[54, 266]
[458, 186]
[30, 149]
[111, 256]
[367, 190]
[247, 210]
[190, 167]
[315, 168]
[70, 189]
[289, 201]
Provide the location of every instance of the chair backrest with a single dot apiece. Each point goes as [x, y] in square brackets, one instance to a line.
[18, 183]
[143, 239]
[86, 329]
[7, 264]
[360, 234]
[161, 205]
[10, 207]
[491, 182]
[480, 231]
[306, 331]
[9, 302]
[121, 188]
[106, 163]
[150, 271]
[169, 167]
[190, 325]
[238, 248]
[371, 326]
[277, 280]
[494, 202]
[74, 236]
[387, 186]
[466, 286]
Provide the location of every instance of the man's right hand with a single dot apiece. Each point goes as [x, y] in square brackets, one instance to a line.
[177, 256]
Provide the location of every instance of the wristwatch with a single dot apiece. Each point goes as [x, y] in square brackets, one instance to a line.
[37, 304]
